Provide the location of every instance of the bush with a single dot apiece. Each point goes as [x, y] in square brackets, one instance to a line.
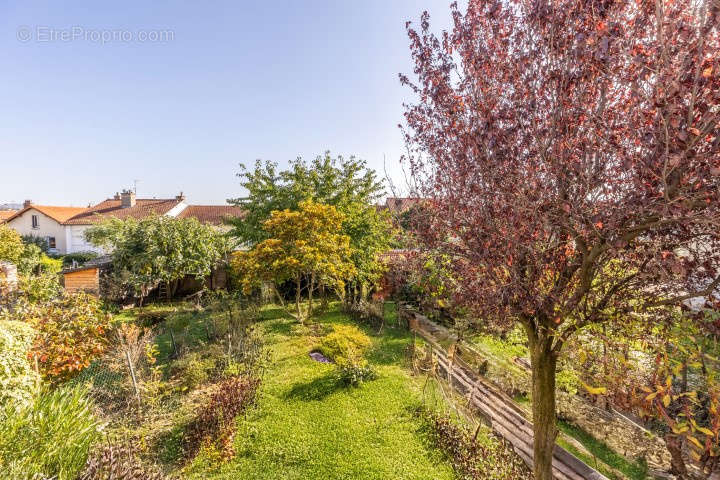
[79, 257]
[214, 426]
[472, 459]
[49, 438]
[115, 461]
[71, 334]
[343, 342]
[11, 245]
[17, 377]
[354, 373]
[37, 241]
[40, 288]
[346, 346]
[193, 370]
[34, 261]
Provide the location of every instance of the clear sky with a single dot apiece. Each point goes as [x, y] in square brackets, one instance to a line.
[94, 95]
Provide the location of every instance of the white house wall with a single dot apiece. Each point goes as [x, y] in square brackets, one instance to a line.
[76, 240]
[47, 227]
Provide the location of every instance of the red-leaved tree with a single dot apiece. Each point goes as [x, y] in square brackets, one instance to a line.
[571, 150]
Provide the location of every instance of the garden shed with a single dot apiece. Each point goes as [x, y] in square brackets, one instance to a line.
[86, 277]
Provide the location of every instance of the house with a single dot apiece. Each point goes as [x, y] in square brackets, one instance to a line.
[64, 227]
[45, 222]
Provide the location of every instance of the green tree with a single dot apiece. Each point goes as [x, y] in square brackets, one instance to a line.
[11, 245]
[160, 249]
[303, 244]
[347, 184]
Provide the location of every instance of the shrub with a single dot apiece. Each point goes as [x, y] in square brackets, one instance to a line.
[115, 461]
[11, 245]
[471, 458]
[17, 377]
[193, 369]
[40, 288]
[79, 257]
[34, 261]
[343, 342]
[346, 346]
[354, 373]
[71, 334]
[49, 438]
[215, 423]
[36, 240]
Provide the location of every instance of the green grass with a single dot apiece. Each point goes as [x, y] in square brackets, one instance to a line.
[601, 454]
[307, 425]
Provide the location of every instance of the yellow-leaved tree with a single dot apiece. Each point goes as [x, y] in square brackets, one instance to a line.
[304, 246]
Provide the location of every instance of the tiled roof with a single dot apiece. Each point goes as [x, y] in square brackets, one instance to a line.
[112, 208]
[400, 204]
[5, 214]
[59, 214]
[212, 214]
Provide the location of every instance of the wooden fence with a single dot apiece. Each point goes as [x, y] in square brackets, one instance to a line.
[496, 408]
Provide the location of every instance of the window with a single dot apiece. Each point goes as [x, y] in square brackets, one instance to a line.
[35, 223]
[51, 242]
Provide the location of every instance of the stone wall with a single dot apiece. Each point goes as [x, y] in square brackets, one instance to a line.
[619, 433]
[8, 277]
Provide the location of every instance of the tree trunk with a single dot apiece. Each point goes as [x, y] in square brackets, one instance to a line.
[279, 297]
[544, 363]
[674, 445]
[297, 299]
[323, 296]
[310, 294]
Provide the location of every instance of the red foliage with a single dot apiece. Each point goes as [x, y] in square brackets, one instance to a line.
[215, 424]
[571, 152]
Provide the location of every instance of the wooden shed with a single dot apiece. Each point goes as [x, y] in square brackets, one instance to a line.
[85, 278]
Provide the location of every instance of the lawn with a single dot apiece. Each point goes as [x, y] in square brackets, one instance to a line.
[307, 425]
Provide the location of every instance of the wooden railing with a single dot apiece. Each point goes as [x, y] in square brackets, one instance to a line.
[494, 406]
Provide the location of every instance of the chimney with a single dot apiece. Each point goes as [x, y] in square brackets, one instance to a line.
[127, 198]
[180, 197]
[27, 203]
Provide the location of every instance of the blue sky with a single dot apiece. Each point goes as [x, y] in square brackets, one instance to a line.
[232, 82]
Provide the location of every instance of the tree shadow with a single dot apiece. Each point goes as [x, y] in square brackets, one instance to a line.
[316, 389]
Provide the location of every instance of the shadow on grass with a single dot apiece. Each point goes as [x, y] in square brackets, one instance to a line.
[316, 389]
[169, 445]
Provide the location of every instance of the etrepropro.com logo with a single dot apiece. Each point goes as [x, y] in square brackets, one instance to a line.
[77, 33]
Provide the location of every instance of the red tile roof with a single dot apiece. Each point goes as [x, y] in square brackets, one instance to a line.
[143, 208]
[5, 214]
[112, 208]
[212, 214]
[59, 214]
[401, 204]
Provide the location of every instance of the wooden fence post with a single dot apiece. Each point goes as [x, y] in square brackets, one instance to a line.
[37, 371]
[132, 375]
[174, 345]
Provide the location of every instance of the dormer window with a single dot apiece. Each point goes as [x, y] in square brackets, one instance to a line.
[35, 222]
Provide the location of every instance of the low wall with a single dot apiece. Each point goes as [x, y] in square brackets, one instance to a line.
[8, 277]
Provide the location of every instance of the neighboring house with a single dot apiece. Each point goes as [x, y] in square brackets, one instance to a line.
[45, 222]
[398, 205]
[64, 227]
[5, 214]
